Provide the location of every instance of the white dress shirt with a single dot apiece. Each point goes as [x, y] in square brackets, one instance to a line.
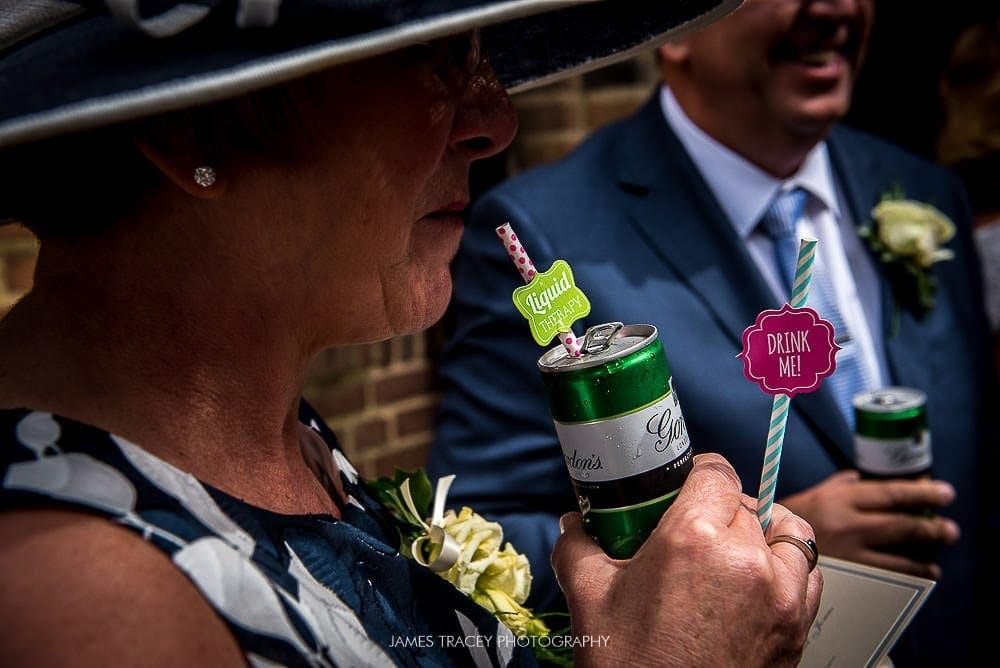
[744, 192]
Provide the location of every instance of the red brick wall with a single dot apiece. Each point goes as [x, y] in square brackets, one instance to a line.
[380, 398]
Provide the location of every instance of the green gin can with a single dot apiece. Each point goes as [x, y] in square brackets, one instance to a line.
[891, 437]
[892, 440]
[621, 431]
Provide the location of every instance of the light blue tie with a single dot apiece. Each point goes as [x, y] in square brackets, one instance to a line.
[780, 222]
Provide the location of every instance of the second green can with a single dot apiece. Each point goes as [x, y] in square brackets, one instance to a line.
[892, 438]
[621, 431]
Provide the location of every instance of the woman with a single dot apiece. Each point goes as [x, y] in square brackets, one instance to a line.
[193, 262]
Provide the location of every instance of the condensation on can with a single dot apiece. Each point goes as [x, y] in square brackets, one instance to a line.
[621, 430]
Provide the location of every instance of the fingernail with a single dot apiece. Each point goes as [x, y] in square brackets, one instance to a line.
[946, 491]
[954, 533]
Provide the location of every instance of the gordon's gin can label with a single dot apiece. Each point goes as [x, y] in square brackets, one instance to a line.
[621, 430]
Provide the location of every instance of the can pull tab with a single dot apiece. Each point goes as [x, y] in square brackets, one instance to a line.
[599, 337]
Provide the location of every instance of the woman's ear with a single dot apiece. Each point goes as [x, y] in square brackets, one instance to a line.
[183, 164]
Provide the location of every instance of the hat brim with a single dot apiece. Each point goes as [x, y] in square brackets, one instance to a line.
[92, 70]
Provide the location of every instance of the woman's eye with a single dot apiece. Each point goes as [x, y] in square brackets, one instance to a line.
[454, 59]
[458, 52]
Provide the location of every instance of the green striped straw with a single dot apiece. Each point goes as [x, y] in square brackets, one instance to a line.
[779, 408]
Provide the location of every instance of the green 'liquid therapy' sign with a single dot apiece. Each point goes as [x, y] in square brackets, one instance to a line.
[551, 302]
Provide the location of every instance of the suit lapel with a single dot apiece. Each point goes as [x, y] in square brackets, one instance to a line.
[676, 213]
[864, 179]
[678, 216]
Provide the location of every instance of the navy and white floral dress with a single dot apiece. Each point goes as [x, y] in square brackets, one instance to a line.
[296, 590]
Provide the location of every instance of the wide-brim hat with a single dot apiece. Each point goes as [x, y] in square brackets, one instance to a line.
[71, 65]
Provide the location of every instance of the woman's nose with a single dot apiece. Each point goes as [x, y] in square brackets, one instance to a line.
[485, 121]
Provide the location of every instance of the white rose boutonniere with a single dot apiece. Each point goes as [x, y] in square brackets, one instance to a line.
[907, 236]
[479, 544]
[464, 548]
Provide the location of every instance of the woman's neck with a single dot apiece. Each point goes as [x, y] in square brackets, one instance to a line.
[206, 387]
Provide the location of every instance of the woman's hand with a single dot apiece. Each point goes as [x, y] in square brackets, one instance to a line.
[705, 588]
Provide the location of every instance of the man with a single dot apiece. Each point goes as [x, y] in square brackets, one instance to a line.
[658, 216]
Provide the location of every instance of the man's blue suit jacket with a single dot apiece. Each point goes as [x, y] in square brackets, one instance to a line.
[648, 243]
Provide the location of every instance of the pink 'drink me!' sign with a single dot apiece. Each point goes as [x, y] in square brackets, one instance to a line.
[789, 350]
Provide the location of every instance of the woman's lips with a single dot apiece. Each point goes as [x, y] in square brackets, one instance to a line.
[455, 209]
[451, 216]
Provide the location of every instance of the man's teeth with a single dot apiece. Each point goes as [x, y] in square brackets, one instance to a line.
[818, 57]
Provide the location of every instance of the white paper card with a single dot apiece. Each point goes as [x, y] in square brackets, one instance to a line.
[862, 612]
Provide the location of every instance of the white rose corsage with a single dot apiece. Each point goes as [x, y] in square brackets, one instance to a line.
[908, 236]
[465, 549]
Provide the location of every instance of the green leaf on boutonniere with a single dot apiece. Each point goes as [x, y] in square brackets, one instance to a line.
[387, 490]
[906, 236]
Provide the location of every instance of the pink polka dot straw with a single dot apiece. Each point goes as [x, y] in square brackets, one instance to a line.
[526, 268]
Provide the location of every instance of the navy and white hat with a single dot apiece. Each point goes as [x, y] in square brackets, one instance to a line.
[70, 65]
